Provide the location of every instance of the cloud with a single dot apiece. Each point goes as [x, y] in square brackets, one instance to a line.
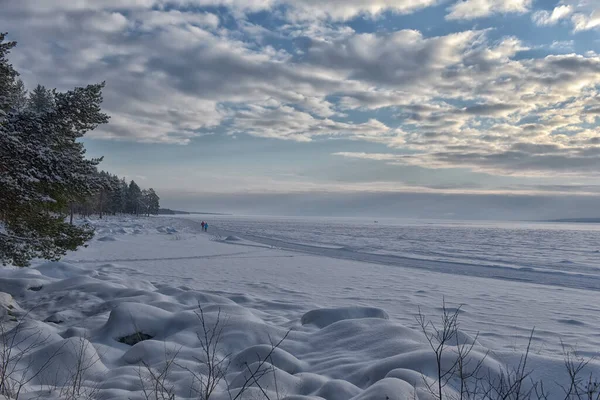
[491, 109]
[343, 10]
[404, 58]
[582, 14]
[544, 18]
[285, 122]
[150, 20]
[472, 9]
[338, 10]
[369, 156]
[592, 110]
[584, 22]
[516, 159]
[468, 99]
[165, 83]
[563, 44]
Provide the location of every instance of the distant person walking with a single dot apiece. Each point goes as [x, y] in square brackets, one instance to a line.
[202, 225]
[206, 227]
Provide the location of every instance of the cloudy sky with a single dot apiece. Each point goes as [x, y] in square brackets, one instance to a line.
[377, 98]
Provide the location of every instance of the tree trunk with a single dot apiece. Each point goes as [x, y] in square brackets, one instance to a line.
[71, 207]
[101, 202]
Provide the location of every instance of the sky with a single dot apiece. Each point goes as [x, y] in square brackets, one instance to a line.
[435, 108]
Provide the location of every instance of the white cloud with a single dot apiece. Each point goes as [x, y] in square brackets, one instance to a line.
[51, 6]
[338, 10]
[342, 10]
[472, 9]
[563, 44]
[107, 22]
[402, 58]
[459, 99]
[556, 92]
[582, 14]
[150, 20]
[285, 122]
[584, 22]
[368, 156]
[543, 17]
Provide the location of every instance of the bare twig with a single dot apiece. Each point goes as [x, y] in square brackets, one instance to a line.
[439, 339]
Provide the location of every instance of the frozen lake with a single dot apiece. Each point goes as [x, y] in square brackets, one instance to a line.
[348, 302]
[549, 253]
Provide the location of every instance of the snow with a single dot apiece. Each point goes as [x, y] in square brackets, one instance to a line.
[106, 239]
[349, 325]
[326, 316]
[232, 238]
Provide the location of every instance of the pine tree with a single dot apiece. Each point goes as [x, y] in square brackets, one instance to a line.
[107, 184]
[145, 202]
[41, 100]
[116, 196]
[134, 195]
[43, 169]
[20, 99]
[120, 197]
[7, 77]
[113, 194]
[153, 202]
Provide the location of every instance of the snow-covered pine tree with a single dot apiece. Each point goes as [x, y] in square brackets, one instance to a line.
[119, 197]
[7, 77]
[145, 202]
[43, 169]
[41, 100]
[153, 202]
[115, 188]
[20, 98]
[134, 195]
[107, 184]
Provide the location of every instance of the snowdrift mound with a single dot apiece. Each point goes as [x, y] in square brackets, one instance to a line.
[60, 270]
[9, 309]
[326, 316]
[68, 353]
[18, 282]
[115, 326]
[167, 229]
[232, 239]
[132, 318]
[277, 357]
[107, 239]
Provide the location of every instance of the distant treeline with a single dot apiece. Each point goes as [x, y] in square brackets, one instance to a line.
[116, 196]
[167, 211]
[576, 220]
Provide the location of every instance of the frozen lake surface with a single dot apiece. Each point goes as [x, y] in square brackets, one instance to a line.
[557, 254]
[348, 292]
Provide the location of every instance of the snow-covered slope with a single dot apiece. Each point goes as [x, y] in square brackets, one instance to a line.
[349, 328]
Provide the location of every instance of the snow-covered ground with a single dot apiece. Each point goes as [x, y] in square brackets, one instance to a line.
[352, 327]
[565, 255]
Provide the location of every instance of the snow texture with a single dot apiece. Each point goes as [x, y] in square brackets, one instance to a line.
[350, 326]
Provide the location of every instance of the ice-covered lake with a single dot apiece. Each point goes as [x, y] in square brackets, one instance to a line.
[348, 292]
[551, 253]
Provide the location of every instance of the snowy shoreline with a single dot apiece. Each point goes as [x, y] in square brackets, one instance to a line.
[352, 331]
